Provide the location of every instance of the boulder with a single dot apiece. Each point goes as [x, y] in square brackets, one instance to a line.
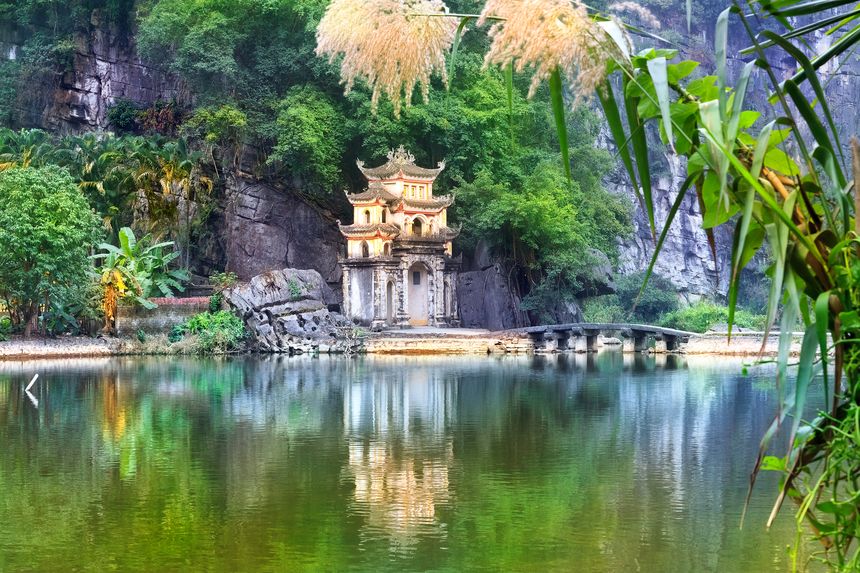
[287, 311]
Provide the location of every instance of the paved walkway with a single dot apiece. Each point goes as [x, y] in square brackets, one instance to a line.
[433, 331]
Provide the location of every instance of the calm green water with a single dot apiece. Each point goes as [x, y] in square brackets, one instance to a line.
[373, 464]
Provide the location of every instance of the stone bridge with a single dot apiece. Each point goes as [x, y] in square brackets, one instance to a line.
[583, 337]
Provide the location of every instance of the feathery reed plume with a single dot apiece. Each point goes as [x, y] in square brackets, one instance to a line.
[391, 44]
[545, 35]
[645, 15]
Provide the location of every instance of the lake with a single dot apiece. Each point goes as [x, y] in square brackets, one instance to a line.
[558, 463]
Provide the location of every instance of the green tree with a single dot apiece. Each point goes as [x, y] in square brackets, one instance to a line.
[310, 134]
[48, 231]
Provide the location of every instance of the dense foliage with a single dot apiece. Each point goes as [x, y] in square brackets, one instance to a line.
[703, 316]
[48, 231]
[631, 303]
[257, 84]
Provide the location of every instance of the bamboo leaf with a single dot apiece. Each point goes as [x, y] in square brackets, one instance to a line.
[805, 8]
[801, 59]
[742, 229]
[738, 104]
[640, 151]
[768, 200]
[803, 30]
[616, 127]
[454, 47]
[805, 372]
[815, 126]
[721, 38]
[682, 192]
[836, 49]
[557, 98]
[822, 322]
[659, 76]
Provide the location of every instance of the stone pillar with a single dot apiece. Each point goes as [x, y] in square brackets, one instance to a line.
[550, 342]
[435, 311]
[347, 311]
[660, 346]
[403, 296]
[591, 343]
[581, 344]
[378, 298]
[671, 343]
[454, 318]
[627, 343]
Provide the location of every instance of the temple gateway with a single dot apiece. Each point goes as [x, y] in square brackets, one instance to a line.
[398, 269]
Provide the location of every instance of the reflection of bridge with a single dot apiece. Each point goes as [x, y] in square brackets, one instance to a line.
[583, 336]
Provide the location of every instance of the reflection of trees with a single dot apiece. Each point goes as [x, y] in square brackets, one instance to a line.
[557, 463]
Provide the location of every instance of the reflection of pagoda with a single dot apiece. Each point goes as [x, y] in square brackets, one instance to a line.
[398, 269]
[400, 451]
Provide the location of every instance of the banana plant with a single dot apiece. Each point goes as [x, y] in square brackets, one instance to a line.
[136, 270]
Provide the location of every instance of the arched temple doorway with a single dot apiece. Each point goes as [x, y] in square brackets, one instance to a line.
[418, 294]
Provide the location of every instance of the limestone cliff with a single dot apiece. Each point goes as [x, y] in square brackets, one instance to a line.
[104, 67]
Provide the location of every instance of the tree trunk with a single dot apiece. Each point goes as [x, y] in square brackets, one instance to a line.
[28, 324]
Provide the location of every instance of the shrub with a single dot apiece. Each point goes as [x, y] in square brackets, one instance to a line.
[659, 297]
[48, 229]
[5, 328]
[215, 301]
[123, 116]
[603, 309]
[221, 281]
[704, 315]
[213, 332]
[136, 270]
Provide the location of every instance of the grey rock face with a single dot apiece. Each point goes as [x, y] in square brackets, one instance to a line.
[486, 301]
[267, 229]
[287, 311]
[686, 259]
[106, 67]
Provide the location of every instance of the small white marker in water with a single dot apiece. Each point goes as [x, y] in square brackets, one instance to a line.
[32, 398]
[30, 385]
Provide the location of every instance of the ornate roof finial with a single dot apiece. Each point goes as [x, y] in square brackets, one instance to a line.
[399, 161]
[400, 156]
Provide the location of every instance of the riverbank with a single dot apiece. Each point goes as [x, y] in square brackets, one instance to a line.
[413, 341]
[60, 347]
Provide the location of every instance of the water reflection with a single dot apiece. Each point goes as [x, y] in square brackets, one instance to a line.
[602, 462]
[399, 451]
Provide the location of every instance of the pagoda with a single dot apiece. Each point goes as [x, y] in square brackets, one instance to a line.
[398, 269]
